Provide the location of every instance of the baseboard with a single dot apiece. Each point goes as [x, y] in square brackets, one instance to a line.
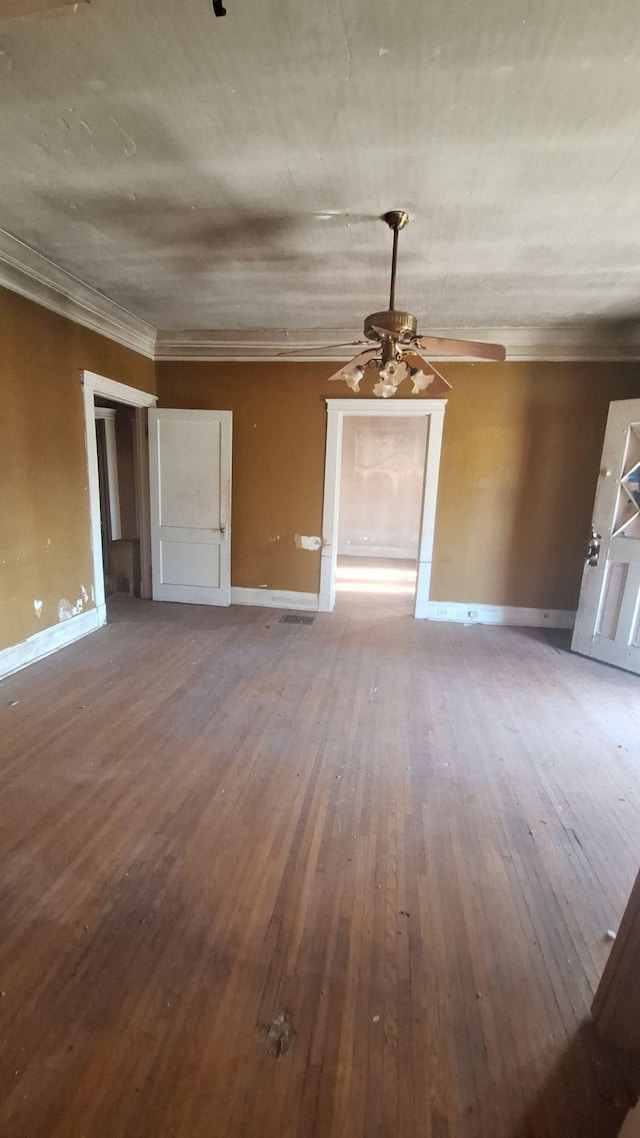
[274, 599]
[471, 613]
[393, 553]
[48, 641]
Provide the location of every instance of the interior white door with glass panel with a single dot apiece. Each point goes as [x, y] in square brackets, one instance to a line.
[608, 618]
[190, 485]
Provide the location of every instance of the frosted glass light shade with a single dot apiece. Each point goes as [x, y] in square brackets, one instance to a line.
[352, 377]
[384, 390]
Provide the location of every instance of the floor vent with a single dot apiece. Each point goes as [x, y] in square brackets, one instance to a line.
[297, 618]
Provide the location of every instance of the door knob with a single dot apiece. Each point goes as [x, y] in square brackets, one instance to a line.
[593, 548]
[223, 529]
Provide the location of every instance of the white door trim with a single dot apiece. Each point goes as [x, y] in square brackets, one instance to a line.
[93, 385]
[433, 410]
[108, 416]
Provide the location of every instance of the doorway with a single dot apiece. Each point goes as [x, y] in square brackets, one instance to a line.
[381, 481]
[119, 497]
[116, 560]
[381, 476]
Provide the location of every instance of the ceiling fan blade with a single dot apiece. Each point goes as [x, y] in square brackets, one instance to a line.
[321, 348]
[439, 345]
[358, 361]
[437, 384]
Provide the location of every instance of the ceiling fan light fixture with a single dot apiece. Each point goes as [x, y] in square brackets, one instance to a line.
[352, 376]
[421, 380]
[385, 389]
[395, 371]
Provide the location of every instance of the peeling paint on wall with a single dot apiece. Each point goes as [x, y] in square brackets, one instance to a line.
[85, 595]
[310, 543]
[66, 610]
[37, 608]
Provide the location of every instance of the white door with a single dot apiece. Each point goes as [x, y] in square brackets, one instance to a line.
[190, 484]
[608, 618]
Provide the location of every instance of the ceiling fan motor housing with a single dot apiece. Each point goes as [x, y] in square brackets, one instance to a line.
[390, 325]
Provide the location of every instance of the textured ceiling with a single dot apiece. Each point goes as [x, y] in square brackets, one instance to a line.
[227, 173]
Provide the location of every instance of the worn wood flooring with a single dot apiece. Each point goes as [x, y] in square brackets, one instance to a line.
[343, 881]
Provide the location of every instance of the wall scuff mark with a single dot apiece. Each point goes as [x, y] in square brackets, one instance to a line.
[132, 147]
[37, 608]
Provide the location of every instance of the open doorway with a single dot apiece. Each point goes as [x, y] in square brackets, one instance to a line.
[118, 469]
[381, 481]
[119, 506]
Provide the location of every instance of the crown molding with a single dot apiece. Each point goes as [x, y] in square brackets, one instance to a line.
[577, 342]
[260, 344]
[33, 276]
[24, 271]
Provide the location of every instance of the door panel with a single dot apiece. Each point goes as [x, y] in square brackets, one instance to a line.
[190, 476]
[608, 617]
[615, 581]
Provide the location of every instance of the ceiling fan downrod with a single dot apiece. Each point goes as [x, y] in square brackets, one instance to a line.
[396, 219]
[392, 325]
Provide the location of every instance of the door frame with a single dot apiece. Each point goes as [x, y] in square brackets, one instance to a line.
[431, 409]
[92, 385]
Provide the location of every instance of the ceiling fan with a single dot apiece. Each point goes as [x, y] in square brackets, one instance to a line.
[395, 334]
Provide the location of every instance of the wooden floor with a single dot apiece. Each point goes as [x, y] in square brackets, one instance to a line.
[377, 576]
[388, 849]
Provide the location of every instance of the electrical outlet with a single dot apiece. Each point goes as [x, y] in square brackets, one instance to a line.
[472, 614]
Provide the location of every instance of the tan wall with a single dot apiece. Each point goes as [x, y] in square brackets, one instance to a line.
[44, 507]
[520, 460]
